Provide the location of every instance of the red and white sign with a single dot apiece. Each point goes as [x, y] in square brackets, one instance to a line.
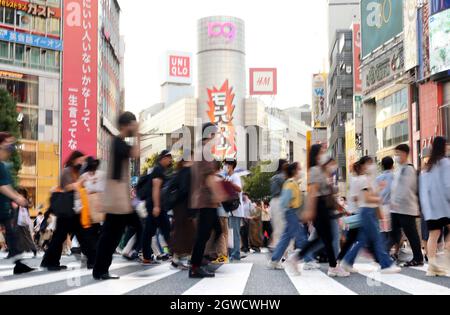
[79, 87]
[263, 81]
[357, 78]
[178, 67]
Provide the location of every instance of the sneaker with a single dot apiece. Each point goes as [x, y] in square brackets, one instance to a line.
[338, 272]
[391, 270]
[200, 273]
[312, 265]
[292, 264]
[179, 265]
[347, 267]
[275, 265]
[149, 262]
[221, 260]
[435, 271]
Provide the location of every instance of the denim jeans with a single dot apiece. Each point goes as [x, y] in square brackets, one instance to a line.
[235, 224]
[292, 230]
[369, 233]
[310, 256]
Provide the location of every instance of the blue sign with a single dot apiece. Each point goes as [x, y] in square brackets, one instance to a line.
[31, 40]
[439, 5]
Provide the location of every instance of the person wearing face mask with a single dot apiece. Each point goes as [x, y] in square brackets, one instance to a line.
[369, 233]
[405, 206]
[291, 201]
[70, 181]
[8, 196]
[320, 208]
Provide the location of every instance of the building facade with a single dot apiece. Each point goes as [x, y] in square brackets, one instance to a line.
[340, 97]
[30, 65]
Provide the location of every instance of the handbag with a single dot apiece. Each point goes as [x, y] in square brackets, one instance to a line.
[117, 199]
[353, 221]
[62, 204]
[233, 200]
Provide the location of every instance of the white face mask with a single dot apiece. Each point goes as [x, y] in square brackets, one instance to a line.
[397, 159]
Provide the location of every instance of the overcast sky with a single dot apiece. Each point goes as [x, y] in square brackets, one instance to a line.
[287, 34]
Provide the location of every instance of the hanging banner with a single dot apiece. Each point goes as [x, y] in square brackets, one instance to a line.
[410, 42]
[220, 111]
[357, 79]
[79, 103]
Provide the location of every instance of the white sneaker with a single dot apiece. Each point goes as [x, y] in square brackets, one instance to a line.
[338, 272]
[347, 267]
[391, 270]
[312, 265]
[275, 265]
[292, 264]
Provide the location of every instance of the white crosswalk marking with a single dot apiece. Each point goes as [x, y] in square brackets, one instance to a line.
[315, 282]
[125, 284]
[9, 270]
[27, 282]
[401, 282]
[230, 280]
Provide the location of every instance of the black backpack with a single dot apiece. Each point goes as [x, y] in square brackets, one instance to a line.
[144, 187]
[169, 193]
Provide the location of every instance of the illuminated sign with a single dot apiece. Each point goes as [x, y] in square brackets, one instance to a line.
[31, 40]
[263, 81]
[12, 75]
[32, 8]
[439, 42]
[220, 112]
[227, 30]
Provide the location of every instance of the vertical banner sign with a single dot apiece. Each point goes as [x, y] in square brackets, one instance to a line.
[220, 112]
[319, 100]
[357, 79]
[410, 33]
[79, 103]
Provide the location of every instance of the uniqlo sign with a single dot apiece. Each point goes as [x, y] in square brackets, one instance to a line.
[180, 66]
[79, 86]
[263, 81]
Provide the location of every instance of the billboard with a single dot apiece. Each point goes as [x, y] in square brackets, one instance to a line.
[357, 79]
[381, 20]
[220, 112]
[79, 78]
[178, 67]
[32, 8]
[319, 100]
[437, 6]
[31, 40]
[410, 33]
[439, 42]
[263, 81]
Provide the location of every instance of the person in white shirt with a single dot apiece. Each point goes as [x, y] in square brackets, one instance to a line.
[235, 219]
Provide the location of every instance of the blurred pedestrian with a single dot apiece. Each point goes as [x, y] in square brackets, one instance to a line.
[435, 200]
[117, 201]
[8, 196]
[277, 214]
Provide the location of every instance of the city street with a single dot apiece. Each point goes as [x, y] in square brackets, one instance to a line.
[250, 277]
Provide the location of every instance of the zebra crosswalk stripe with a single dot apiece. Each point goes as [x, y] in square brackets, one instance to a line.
[403, 283]
[126, 283]
[229, 280]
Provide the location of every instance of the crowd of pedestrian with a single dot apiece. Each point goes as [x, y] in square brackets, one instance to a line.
[195, 213]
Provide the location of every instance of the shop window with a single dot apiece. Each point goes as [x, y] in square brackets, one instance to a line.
[53, 26]
[35, 57]
[39, 24]
[28, 123]
[4, 50]
[19, 53]
[23, 20]
[28, 162]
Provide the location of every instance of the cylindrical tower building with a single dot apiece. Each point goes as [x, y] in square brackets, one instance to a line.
[222, 79]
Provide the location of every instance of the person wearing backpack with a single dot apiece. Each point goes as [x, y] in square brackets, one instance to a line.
[157, 215]
[236, 216]
[183, 225]
[405, 206]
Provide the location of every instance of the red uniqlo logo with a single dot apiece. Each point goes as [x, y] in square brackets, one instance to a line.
[180, 66]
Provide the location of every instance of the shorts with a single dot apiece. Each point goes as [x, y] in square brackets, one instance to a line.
[434, 225]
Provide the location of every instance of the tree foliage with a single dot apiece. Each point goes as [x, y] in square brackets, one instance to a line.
[257, 185]
[9, 123]
[150, 162]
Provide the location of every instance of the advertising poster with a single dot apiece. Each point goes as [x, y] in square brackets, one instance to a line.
[439, 42]
[319, 100]
[79, 86]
